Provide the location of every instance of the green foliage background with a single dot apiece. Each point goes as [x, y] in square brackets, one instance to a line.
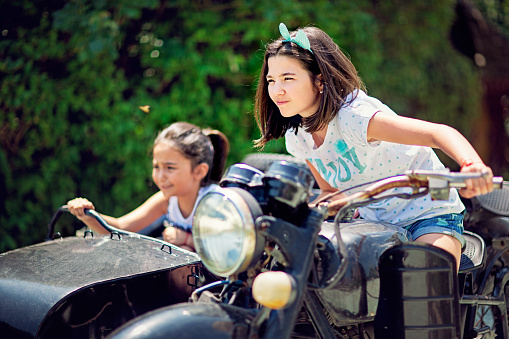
[73, 74]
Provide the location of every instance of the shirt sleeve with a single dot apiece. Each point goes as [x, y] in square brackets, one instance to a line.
[294, 146]
[354, 119]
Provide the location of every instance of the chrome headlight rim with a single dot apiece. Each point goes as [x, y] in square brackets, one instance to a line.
[252, 243]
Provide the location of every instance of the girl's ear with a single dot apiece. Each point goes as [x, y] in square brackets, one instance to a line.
[319, 82]
[201, 170]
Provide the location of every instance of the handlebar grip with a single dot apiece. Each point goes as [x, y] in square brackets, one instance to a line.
[498, 183]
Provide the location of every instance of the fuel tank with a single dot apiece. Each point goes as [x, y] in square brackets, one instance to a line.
[353, 297]
[86, 287]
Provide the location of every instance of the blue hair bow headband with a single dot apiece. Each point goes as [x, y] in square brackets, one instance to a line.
[300, 38]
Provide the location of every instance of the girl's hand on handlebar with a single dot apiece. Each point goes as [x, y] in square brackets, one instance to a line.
[178, 237]
[478, 186]
[77, 207]
[174, 236]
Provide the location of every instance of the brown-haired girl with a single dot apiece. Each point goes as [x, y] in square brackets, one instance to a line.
[310, 93]
[186, 162]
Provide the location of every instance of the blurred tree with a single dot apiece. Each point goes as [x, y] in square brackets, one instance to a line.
[485, 44]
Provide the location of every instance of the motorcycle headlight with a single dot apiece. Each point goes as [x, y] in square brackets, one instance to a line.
[224, 231]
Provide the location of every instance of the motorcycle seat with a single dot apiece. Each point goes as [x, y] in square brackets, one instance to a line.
[473, 253]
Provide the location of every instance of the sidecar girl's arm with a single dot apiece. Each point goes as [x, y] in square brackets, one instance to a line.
[134, 221]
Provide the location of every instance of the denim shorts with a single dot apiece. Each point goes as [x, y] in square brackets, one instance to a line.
[450, 224]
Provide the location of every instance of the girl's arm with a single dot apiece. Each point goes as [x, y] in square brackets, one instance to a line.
[403, 130]
[142, 216]
[325, 188]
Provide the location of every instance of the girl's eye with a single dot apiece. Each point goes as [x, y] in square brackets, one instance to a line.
[288, 78]
[270, 80]
[163, 167]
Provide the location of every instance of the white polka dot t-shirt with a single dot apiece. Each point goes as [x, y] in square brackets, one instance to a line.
[346, 159]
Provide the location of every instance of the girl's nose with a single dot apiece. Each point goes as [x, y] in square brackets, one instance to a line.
[159, 175]
[278, 89]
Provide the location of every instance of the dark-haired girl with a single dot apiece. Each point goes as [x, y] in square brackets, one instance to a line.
[186, 162]
[310, 93]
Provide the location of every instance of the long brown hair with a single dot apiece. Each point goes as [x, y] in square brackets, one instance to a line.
[338, 75]
[207, 146]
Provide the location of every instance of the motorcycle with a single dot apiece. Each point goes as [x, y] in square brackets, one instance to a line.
[295, 270]
[269, 265]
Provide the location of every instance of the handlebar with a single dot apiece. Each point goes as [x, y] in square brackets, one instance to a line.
[112, 230]
[455, 179]
[436, 183]
[92, 213]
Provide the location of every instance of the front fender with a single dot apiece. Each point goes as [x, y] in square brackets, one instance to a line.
[189, 320]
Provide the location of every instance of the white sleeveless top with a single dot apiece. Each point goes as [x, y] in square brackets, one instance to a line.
[175, 218]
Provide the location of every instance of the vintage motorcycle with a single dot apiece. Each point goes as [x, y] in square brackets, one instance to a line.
[292, 271]
[269, 265]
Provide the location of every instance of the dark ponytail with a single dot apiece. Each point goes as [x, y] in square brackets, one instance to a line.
[221, 149]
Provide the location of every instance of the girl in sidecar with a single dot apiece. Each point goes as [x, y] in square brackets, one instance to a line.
[186, 162]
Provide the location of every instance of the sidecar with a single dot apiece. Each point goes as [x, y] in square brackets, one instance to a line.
[85, 287]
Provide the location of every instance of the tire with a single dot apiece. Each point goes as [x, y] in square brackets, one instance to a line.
[262, 161]
[493, 317]
[489, 316]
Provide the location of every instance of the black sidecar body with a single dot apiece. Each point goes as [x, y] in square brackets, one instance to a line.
[85, 287]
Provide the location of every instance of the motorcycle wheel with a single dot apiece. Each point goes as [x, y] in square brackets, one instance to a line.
[262, 161]
[485, 317]
[492, 317]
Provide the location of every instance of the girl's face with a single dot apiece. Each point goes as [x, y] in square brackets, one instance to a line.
[173, 173]
[291, 87]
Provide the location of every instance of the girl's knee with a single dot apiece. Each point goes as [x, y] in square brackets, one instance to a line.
[445, 242]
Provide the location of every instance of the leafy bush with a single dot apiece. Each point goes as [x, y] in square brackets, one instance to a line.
[74, 74]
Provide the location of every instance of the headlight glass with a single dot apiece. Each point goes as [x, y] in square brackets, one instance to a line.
[223, 230]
